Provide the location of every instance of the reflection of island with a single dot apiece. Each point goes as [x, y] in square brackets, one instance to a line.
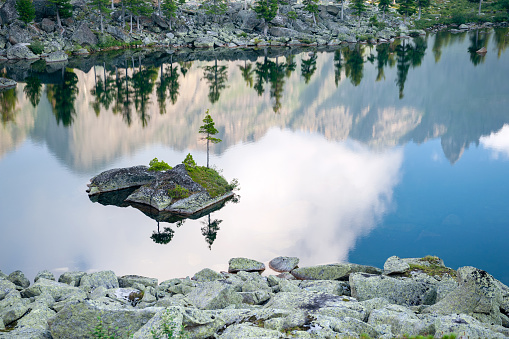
[164, 234]
[432, 103]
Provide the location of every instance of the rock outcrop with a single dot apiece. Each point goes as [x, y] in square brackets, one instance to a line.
[247, 304]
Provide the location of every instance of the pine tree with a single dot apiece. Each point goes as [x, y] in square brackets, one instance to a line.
[406, 8]
[342, 7]
[311, 6]
[63, 8]
[138, 8]
[358, 8]
[422, 4]
[383, 5]
[266, 10]
[215, 8]
[26, 10]
[103, 7]
[209, 129]
[170, 10]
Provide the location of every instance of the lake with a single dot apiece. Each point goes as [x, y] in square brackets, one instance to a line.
[350, 154]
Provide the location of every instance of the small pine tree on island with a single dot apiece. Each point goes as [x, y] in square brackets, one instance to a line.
[26, 10]
[209, 129]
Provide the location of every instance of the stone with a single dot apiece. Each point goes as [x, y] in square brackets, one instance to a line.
[243, 264]
[332, 10]
[44, 274]
[401, 320]
[204, 42]
[83, 35]
[466, 325]
[207, 275]
[17, 34]
[56, 290]
[57, 56]
[346, 326]
[19, 279]
[213, 295]
[159, 21]
[249, 331]
[71, 278]
[4, 84]
[48, 25]
[19, 52]
[78, 319]
[130, 280]
[482, 51]
[463, 26]
[332, 271]
[284, 264]
[107, 279]
[13, 307]
[116, 179]
[8, 12]
[327, 286]
[36, 319]
[394, 265]
[249, 20]
[118, 33]
[404, 291]
[283, 32]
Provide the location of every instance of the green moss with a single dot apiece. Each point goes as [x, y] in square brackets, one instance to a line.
[179, 192]
[432, 270]
[210, 179]
[156, 165]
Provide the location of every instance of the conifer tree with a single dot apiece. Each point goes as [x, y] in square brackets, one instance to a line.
[26, 10]
[406, 8]
[215, 8]
[422, 4]
[359, 7]
[170, 10]
[103, 7]
[210, 130]
[266, 10]
[311, 6]
[63, 8]
[383, 5]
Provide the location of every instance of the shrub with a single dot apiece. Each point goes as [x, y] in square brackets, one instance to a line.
[36, 47]
[26, 11]
[179, 192]
[189, 161]
[156, 165]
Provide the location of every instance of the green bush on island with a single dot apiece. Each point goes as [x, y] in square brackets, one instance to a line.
[189, 160]
[156, 165]
[179, 192]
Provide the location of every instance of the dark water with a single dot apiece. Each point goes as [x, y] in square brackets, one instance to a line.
[353, 154]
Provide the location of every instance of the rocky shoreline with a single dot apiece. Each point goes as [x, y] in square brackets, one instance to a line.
[408, 297]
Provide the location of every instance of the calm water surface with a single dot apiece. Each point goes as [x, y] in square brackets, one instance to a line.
[348, 155]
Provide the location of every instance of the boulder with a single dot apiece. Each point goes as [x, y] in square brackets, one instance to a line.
[345, 326]
[394, 265]
[118, 33]
[4, 84]
[47, 25]
[116, 179]
[327, 286]
[19, 52]
[207, 275]
[284, 264]
[283, 32]
[8, 12]
[79, 319]
[131, 280]
[159, 21]
[482, 51]
[6, 286]
[250, 21]
[19, 279]
[401, 320]
[249, 331]
[106, 279]
[243, 264]
[402, 291]
[478, 295]
[204, 42]
[56, 290]
[44, 274]
[83, 35]
[332, 271]
[12, 308]
[17, 34]
[71, 278]
[332, 10]
[465, 325]
[213, 295]
[57, 56]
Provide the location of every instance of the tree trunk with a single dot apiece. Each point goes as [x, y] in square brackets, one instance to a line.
[419, 17]
[123, 15]
[131, 23]
[102, 27]
[265, 28]
[245, 5]
[159, 7]
[314, 19]
[207, 150]
[138, 22]
[342, 7]
[112, 5]
[480, 3]
[59, 23]
[383, 14]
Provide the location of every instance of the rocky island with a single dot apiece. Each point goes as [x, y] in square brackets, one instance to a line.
[407, 298]
[185, 189]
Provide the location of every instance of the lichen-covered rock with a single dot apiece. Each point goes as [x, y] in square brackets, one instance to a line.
[107, 279]
[78, 319]
[394, 265]
[8, 12]
[326, 286]
[465, 325]
[346, 326]
[20, 52]
[403, 291]
[213, 295]
[401, 320]
[249, 331]
[243, 264]
[6, 287]
[19, 279]
[44, 274]
[13, 307]
[207, 275]
[72, 278]
[57, 56]
[332, 271]
[47, 25]
[83, 35]
[284, 264]
[37, 319]
[478, 295]
[130, 280]
[58, 291]
[120, 178]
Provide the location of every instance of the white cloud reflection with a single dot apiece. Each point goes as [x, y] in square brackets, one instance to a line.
[497, 142]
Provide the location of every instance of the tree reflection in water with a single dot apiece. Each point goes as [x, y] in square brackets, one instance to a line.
[62, 97]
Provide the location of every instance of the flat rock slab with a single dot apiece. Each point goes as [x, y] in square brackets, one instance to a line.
[284, 264]
[7, 83]
[119, 178]
[332, 271]
[243, 264]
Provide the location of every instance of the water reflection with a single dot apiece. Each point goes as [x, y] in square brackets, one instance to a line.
[62, 97]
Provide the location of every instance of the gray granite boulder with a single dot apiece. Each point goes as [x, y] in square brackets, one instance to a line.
[394, 265]
[57, 56]
[243, 264]
[332, 271]
[56, 290]
[120, 178]
[249, 331]
[48, 25]
[131, 280]
[466, 326]
[20, 52]
[213, 295]
[13, 307]
[8, 12]
[44, 274]
[403, 291]
[71, 278]
[78, 320]
[401, 320]
[284, 32]
[6, 286]
[19, 279]
[83, 35]
[207, 275]
[118, 33]
[284, 264]
[17, 34]
[326, 286]
[106, 279]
